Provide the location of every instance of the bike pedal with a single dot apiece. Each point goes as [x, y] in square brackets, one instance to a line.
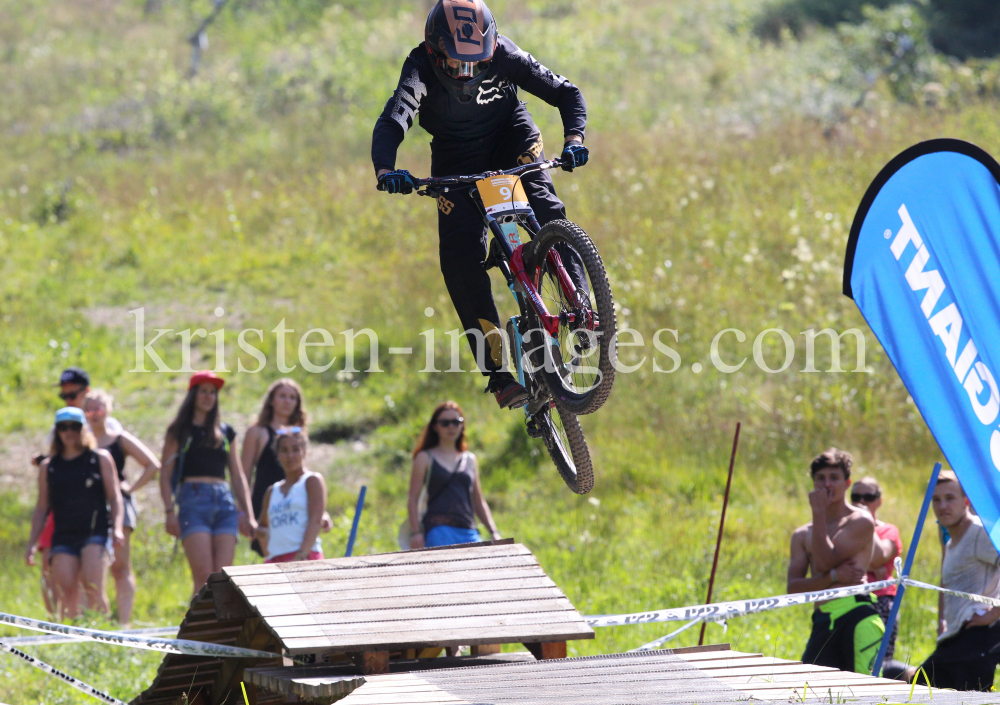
[534, 430]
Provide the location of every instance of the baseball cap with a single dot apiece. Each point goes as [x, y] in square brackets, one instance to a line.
[206, 376]
[71, 413]
[74, 375]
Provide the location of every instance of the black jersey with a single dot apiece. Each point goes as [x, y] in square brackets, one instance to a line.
[449, 494]
[202, 459]
[118, 455]
[491, 104]
[76, 496]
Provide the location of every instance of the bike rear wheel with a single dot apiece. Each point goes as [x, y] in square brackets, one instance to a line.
[567, 447]
[577, 383]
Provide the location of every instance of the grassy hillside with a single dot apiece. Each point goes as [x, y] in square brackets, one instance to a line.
[724, 177]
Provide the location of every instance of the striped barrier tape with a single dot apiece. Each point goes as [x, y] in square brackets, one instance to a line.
[726, 610]
[992, 601]
[64, 677]
[59, 639]
[170, 646]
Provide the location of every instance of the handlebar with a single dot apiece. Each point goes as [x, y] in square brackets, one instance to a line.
[436, 184]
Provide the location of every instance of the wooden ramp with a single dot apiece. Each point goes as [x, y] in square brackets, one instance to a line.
[700, 675]
[366, 609]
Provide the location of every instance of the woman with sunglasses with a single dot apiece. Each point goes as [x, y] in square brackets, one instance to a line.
[121, 446]
[282, 408]
[293, 508]
[78, 483]
[866, 493]
[447, 472]
[197, 451]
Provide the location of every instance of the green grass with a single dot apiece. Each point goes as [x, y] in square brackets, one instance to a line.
[249, 188]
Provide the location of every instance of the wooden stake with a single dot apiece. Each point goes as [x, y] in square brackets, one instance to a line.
[722, 523]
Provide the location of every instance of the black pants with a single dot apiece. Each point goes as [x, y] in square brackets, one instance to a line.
[463, 235]
[964, 661]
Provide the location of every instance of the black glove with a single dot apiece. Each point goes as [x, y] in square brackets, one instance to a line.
[574, 154]
[398, 181]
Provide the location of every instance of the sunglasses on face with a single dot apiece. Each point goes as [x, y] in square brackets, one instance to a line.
[66, 396]
[68, 426]
[867, 497]
[444, 423]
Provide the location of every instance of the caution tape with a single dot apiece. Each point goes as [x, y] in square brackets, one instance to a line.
[64, 677]
[992, 601]
[59, 639]
[726, 610]
[170, 646]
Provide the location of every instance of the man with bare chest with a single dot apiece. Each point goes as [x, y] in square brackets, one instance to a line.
[834, 550]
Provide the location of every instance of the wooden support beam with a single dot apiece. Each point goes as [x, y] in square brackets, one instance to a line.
[371, 662]
[485, 649]
[545, 650]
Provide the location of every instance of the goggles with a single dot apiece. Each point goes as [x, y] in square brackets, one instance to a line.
[461, 70]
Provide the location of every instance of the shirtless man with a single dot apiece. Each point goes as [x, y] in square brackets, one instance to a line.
[835, 548]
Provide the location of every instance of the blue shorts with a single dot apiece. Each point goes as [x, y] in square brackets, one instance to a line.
[74, 546]
[207, 508]
[442, 535]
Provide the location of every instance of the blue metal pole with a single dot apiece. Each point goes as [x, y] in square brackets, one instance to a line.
[910, 555]
[357, 518]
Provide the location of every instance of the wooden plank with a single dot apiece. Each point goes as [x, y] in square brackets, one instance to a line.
[431, 574]
[465, 580]
[456, 637]
[429, 596]
[450, 612]
[380, 559]
[441, 625]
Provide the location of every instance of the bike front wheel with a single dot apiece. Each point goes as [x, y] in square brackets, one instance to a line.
[567, 447]
[585, 311]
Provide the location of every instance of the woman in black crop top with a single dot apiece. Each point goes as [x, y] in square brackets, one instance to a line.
[196, 453]
[78, 484]
[448, 476]
[97, 406]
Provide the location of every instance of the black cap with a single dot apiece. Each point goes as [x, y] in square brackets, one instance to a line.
[74, 375]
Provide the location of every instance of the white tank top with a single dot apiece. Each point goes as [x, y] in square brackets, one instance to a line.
[287, 516]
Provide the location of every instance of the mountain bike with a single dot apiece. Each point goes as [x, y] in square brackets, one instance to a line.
[562, 324]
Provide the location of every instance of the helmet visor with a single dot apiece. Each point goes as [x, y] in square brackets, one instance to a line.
[461, 70]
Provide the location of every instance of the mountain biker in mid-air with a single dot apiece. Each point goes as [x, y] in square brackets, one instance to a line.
[462, 81]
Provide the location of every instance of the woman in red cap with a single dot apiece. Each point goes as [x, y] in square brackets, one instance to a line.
[197, 450]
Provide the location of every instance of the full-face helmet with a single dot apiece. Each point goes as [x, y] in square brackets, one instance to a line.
[460, 35]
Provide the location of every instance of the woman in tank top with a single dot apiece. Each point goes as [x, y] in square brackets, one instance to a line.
[282, 408]
[293, 508]
[97, 405]
[201, 449]
[443, 466]
[78, 483]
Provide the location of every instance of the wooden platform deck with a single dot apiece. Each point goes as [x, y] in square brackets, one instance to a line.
[493, 594]
[367, 609]
[698, 675]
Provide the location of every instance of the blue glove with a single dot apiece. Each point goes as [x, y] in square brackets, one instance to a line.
[574, 154]
[399, 181]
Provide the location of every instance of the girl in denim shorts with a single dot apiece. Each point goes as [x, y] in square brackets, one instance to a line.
[79, 484]
[196, 453]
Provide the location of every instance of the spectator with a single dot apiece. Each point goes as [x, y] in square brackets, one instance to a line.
[74, 383]
[836, 547]
[97, 405]
[293, 508]
[196, 453]
[77, 484]
[867, 494]
[967, 630]
[282, 408]
[448, 474]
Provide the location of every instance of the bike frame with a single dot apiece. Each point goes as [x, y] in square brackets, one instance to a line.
[512, 266]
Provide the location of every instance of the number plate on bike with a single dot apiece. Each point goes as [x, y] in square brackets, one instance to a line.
[503, 194]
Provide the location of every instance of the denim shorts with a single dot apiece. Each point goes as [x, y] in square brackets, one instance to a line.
[73, 546]
[207, 508]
